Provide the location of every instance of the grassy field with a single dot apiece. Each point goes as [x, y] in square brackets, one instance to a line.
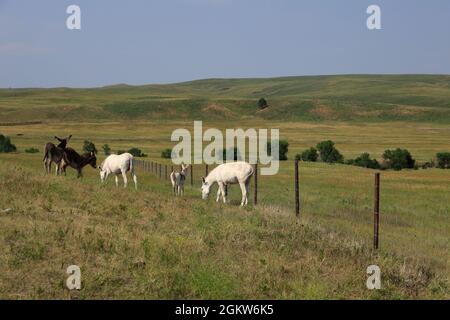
[357, 98]
[146, 244]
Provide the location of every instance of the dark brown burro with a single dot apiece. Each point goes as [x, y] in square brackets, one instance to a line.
[78, 162]
[54, 154]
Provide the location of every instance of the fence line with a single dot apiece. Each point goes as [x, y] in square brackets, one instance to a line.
[156, 169]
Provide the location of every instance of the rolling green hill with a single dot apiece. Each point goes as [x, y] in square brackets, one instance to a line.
[314, 98]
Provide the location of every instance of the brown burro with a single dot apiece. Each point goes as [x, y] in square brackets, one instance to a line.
[54, 153]
[78, 162]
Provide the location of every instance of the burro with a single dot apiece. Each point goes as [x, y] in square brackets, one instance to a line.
[190, 148]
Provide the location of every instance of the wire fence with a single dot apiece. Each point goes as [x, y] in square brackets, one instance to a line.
[343, 193]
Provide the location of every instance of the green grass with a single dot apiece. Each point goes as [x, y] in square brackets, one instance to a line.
[356, 98]
[146, 244]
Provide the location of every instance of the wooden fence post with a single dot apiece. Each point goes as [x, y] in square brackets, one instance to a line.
[376, 212]
[160, 170]
[255, 199]
[297, 191]
[165, 171]
[192, 175]
[206, 170]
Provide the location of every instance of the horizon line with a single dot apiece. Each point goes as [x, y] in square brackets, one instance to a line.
[224, 78]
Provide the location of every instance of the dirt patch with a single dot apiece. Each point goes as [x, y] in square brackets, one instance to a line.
[217, 111]
[324, 112]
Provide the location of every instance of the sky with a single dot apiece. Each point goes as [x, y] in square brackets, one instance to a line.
[165, 41]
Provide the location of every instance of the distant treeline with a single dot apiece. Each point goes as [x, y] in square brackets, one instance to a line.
[24, 123]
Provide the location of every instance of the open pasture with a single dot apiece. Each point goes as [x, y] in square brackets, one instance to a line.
[147, 244]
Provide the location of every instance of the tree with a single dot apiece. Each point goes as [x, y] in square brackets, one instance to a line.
[443, 160]
[399, 159]
[106, 149]
[88, 146]
[328, 153]
[262, 103]
[365, 161]
[310, 155]
[136, 152]
[283, 148]
[6, 145]
[166, 154]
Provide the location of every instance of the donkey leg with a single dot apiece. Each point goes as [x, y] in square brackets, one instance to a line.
[247, 188]
[125, 179]
[117, 180]
[244, 193]
[218, 193]
[134, 179]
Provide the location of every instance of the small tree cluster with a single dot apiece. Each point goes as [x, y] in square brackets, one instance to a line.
[328, 152]
[166, 153]
[262, 103]
[136, 152]
[398, 159]
[106, 149]
[309, 155]
[6, 145]
[364, 161]
[443, 160]
[283, 148]
[89, 147]
[325, 151]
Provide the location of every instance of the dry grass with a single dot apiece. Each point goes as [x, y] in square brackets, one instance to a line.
[145, 244]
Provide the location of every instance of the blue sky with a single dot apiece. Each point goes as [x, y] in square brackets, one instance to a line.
[161, 41]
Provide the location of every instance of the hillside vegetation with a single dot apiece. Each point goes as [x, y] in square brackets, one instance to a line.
[316, 98]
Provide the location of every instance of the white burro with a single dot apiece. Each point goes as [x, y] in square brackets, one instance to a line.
[229, 173]
[118, 164]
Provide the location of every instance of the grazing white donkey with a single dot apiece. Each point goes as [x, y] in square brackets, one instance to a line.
[229, 173]
[178, 179]
[118, 164]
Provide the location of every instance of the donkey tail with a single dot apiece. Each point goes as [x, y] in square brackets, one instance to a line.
[46, 154]
[132, 165]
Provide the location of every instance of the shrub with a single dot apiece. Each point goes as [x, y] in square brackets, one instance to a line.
[166, 154]
[328, 153]
[262, 103]
[136, 152]
[120, 151]
[399, 159]
[106, 149]
[443, 160]
[428, 164]
[88, 146]
[283, 148]
[364, 161]
[310, 155]
[31, 150]
[6, 145]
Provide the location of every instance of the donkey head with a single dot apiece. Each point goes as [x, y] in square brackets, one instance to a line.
[206, 188]
[92, 159]
[184, 167]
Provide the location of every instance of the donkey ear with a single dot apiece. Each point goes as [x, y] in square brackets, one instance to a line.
[69, 137]
[203, 180]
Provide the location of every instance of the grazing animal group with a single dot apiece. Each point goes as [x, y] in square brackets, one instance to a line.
[239, 172]
[64, 157]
